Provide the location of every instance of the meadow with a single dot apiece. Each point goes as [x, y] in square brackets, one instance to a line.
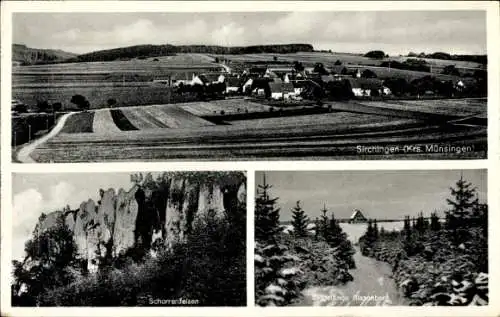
[309, 59]
[328, 138]
[128, 82]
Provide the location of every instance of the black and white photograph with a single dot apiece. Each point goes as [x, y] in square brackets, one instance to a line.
[371, 238]
[129, 239]
[265, 85]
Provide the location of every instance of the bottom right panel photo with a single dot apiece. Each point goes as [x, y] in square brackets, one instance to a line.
[371, 238]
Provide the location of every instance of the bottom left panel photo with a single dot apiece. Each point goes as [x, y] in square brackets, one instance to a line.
[129, 239]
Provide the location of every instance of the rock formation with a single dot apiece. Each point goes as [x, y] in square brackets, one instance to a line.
[145, 214]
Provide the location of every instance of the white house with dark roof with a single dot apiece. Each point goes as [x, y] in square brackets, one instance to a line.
[233, 85]
[365, 87]
[280, 72]
[207, 79]
[357, 217]
[281, 90]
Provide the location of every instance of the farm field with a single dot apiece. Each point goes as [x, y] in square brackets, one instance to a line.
[164, 63]
[229, 106]
[164, 132]
[130, 83]
[164, 116]
[97, 95]
[310, 58]
[455, 107]
[337, 118]
[266, 144]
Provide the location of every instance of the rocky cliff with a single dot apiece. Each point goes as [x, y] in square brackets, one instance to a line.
[147, 213]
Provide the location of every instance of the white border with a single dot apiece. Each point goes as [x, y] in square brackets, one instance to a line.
[492, 163]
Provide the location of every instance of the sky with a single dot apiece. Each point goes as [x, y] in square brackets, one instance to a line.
[395, 32]
[37, 193]
[378, 194]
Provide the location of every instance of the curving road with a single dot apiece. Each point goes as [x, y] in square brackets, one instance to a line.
[24, 153]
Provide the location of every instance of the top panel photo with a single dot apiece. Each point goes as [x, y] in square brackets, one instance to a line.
[246, 86]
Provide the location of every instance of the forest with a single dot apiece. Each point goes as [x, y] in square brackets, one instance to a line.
[142, 51]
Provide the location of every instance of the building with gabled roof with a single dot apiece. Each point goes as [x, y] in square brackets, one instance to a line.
[281, 90]
[364, 87]
[357, 217]
[208, 79]
[233, 85]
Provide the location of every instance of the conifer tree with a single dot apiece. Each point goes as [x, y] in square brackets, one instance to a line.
[299, 221]
[460, 215]
[317, 231]
[369, 238]
[337, 239]
[462, 202]
[425, 223]
[276, 283]
[323, 222]
[414, 224]
[375, 229]
[435, 225]
[267, 215]
[334, 231]
[407, 226]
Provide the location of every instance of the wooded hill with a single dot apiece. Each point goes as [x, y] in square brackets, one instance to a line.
[28, 56]
[142, 51]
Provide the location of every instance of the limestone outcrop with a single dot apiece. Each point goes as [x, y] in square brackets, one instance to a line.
[143, 214]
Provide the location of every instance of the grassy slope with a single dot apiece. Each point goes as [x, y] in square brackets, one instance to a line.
[26, 54]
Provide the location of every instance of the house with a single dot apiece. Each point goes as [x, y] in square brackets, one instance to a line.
[279, 72]
[281, 90]
[338, 69]
[357, 217]
[463, 84]
[386, 91]
[247, 85]
[207, 79]
[290, 77]
[176, 81]
[259, 86]
[328, 78]
[258, 71]
[366, 87]
[308, 89]
[233, 85]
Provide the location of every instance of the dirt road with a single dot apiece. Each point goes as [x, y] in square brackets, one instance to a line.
[24, 154]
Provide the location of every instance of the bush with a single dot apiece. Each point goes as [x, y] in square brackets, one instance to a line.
[375, 54]
[81, 102]
[56, 106]
[42, 106]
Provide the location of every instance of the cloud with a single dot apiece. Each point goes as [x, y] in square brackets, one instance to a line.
[28, 206]
[231, 34]
[361, 31]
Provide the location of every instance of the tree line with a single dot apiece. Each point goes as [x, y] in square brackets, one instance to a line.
[140, 51]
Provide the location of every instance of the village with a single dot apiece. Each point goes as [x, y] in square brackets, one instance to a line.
[293, 83]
